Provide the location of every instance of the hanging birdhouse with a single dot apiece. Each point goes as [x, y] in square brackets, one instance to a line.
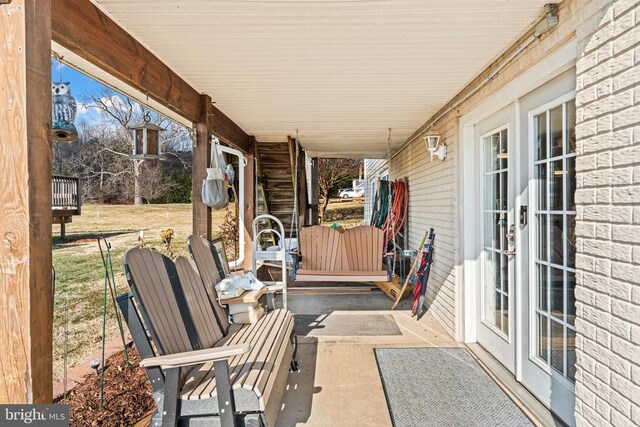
[146, 140]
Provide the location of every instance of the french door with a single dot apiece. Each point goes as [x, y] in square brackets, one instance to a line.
[548, 365]
[526, 181]
[495, 309]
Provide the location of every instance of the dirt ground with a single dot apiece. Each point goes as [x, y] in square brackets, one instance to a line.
[127, 395]
[79, 290]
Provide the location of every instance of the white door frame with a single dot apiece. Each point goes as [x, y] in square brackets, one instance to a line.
[546, 69]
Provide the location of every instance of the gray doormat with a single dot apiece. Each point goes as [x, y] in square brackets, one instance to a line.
[438, 387]
[343, 325]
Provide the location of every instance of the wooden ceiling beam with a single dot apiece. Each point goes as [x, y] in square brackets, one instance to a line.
[84, 29]
[228, 132]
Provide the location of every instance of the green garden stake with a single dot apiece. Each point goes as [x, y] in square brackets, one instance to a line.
[109, 281]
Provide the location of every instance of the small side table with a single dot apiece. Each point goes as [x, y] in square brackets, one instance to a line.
[246, 308]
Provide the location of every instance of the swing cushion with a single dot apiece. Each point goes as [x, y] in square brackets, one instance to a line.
[354, 255]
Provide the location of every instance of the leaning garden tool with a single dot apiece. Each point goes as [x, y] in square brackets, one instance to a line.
[423, 277]
[413, 267]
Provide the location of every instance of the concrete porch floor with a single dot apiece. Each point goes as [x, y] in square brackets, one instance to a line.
[339, 383]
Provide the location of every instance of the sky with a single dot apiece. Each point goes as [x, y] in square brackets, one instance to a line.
[80, 85]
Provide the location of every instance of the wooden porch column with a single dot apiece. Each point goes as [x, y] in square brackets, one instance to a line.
[26, 306]
[249, 201]
[201, 155]
[313, 220]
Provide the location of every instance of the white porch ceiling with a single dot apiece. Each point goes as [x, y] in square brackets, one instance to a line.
[342, 71]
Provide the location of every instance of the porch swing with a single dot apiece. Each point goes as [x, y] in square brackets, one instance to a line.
[358, 254]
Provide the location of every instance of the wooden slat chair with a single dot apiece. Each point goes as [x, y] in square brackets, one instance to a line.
[199, 374]
[356, 255]
[210, 268]
[211, 271]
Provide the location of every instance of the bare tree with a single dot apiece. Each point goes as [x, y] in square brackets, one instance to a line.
[153, 183]
[120, 113]
[332, 173]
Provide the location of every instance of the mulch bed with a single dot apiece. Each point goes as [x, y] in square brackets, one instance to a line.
[127, 395]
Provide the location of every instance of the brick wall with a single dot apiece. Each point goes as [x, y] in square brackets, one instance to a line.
[608, 222]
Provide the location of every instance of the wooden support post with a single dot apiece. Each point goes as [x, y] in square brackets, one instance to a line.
[249, 201]
[201, 156]
[25, 205]
[313, 220]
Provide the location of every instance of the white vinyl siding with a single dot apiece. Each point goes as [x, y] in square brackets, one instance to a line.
[373, 169]
[432, 203]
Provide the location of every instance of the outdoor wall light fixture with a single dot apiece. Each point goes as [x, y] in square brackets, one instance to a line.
[434, 147]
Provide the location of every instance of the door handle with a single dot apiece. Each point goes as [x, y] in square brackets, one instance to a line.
[511, 235]
[509, 253]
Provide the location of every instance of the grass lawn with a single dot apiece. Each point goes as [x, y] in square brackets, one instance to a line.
[80, 272]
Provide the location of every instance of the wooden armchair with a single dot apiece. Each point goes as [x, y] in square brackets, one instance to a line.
[202, 374]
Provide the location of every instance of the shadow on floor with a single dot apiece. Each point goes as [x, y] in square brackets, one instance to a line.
[298, 396]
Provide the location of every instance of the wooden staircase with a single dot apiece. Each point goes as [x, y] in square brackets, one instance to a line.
[275, 180]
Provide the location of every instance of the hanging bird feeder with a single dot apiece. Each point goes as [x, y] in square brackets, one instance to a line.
[146, 140]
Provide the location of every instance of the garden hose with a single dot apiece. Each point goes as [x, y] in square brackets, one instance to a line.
[390, 216]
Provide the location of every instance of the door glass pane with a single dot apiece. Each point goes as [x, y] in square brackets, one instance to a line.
[555, 238]
[497, 202]
[505, 314]
[495, 150]
[542, 274]
[496, 230]
[541, 183]
[504, 150]
[543, 337]
[555, 189]
[571, 298]
[542, 236]
[498, 303]
[571, 127]
[489, 288]
[557, 247]
[504, 185]
[497, 275]
[571, 355]
[541, 136]
[557, 346]
[488, 230]
[556, 131]
[571, 184]
[571, 241]
[503, 233]
[557, 293]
